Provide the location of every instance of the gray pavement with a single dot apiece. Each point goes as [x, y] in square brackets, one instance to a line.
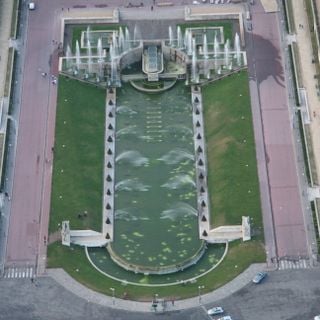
[61, 277]
[12, 134]
[286, 295]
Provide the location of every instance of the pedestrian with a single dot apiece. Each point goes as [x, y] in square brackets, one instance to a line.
[172, 302]
[151, 8]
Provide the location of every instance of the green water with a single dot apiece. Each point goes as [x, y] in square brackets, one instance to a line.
[155, 196]
[104, 263]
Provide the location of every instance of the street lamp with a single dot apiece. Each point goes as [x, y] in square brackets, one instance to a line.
[199, 292]
[155, 302]
[113, 294]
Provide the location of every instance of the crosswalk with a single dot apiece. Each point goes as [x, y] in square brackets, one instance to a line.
[290, 264]
[19, 272]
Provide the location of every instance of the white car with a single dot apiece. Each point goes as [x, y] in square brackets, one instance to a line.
[317, 317]
[195, 2]
[225, 318]
[259, 277]
[214, 311]
[31, 6]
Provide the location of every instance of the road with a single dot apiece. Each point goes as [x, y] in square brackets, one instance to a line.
[287, 295]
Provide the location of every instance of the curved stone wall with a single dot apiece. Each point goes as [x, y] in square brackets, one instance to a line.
[159, 270]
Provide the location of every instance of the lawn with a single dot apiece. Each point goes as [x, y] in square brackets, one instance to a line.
[232, 169]
[78, 156]
[77, 30]
[74, 261]
[227, 27]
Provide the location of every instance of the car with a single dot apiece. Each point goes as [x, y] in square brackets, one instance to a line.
[259, 277]
[195, 2]
[317, 317]
[225, 318]
[214, 311]
[31, 6]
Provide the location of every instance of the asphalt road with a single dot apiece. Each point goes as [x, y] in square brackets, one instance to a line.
[285, 295]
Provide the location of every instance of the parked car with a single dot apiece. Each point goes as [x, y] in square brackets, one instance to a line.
[259, 277]
[31, 6]
[225, 318]
[195, 2]
[214, 311]
[317, 317]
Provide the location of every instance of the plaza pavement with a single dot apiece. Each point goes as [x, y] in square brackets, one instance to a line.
[266, 69]
[290, 295]
[309, 83]
[308, 71]
[65, 280]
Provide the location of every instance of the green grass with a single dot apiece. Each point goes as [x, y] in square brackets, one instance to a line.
[314, 207]
[9, 73]
[14, 20]
[240, 256]
[232, 169]
[227, 27]
[288, 11]
[76, 31]
[313, 35]
[78, 156]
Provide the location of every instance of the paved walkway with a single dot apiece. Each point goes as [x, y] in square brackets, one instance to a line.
[61, 277]
[308, 71]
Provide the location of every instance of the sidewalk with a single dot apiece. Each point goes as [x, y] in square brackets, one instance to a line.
[307, 74]
[61, 277]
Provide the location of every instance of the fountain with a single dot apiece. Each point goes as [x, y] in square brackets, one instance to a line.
[99, 49]
[69, 59]
[185, 39]
[133, 157]
[121, 41]
[216, 51]
[189, 42]
[205, 46]
[136, 35]
[115, 44]
[179, 36]
[133, 184]
[78, 59]
[113, 64]
[178, 210]
[88, 34]
[194, 74]
[89, 54]
[206, 68]
[179, 181]
[170, 36]
[226, 55]
[127, 130]
[176, 156]
[127, 40]
[237, 49]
